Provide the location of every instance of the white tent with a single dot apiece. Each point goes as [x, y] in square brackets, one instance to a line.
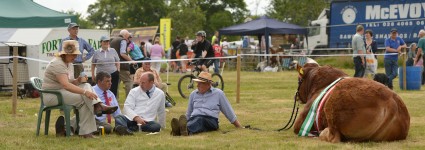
[42, 44]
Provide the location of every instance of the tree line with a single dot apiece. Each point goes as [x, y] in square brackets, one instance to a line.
[189, 16]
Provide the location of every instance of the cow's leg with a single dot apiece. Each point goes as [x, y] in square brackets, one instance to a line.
[330, 135]
[301, 117]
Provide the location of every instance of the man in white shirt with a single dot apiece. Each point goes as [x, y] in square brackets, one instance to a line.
[145, 105]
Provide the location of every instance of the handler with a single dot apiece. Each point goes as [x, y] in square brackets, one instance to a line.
[205, 104]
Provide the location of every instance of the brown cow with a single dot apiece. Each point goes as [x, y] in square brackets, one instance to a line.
[357, 109]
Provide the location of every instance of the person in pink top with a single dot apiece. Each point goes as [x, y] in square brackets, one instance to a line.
[157, 52]
[217, 53]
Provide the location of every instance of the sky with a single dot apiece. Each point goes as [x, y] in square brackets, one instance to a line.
[82, 5]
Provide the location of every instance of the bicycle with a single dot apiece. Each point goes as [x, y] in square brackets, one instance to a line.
[186, 84]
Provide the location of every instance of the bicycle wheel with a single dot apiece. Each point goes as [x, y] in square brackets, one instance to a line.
[186, 85]
[218, 81]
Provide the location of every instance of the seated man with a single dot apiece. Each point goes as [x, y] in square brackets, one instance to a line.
[144, 104]
[205, 104]
[102, 87]
[146, 67]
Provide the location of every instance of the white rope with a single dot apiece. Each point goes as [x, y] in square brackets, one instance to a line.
[302, 55]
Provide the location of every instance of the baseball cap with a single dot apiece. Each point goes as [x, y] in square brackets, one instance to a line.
[393, 30]
[104, 38]
[72, 24]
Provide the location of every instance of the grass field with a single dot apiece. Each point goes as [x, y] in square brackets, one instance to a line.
[266, 103]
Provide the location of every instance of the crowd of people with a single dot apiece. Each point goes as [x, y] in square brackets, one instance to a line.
[362, 48]
[145, 93]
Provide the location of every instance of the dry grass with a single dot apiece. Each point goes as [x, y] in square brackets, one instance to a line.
[266, 103]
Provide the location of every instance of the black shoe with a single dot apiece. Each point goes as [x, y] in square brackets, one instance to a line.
[101, 109]
[121, 130]
[183, 125]
[175, 127]
[60, 127]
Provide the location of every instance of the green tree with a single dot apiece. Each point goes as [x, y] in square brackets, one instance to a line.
[220, 20]
[103, 14]
[109, 14]
[83, 23]
[136, 13]
[186, 18]
[298, 12]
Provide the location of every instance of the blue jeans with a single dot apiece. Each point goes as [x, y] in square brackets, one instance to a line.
[151, 126]
[359, 68]
[198, 124]
[391, 68]
[217, 65]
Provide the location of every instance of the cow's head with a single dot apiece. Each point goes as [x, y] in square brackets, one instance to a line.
[304, 82]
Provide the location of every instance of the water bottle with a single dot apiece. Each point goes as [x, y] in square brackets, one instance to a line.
[83, 77]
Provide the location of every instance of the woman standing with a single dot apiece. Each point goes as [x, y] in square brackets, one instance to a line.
[411, 55]
[370, 44]
[106, 59]
[74, 91]
[157, 52]
[371, 48]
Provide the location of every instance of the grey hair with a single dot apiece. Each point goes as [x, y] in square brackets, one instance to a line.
[411, 45]
[124, 32]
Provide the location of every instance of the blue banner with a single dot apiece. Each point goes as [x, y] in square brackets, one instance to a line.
[407, 16]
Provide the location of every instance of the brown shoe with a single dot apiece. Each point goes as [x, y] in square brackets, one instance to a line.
[175, 127]
[183, 125]
[100, 109]
[121, 130]
[60, 127]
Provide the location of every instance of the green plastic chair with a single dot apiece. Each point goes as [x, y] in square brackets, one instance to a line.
[36, 83]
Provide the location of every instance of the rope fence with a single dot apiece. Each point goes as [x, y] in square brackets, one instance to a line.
[238, 65]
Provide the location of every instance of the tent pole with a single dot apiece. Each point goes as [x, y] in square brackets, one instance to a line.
[266, 37]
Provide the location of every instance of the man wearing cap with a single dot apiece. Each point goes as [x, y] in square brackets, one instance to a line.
[73, 32]
[120, 45]
[358, 51]
[107, 60]
[203, 110]
[393, 46]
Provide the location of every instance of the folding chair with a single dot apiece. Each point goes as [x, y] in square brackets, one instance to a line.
[36, 83]
[286, 62]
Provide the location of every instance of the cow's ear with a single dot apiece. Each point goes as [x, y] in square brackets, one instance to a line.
[300, 70]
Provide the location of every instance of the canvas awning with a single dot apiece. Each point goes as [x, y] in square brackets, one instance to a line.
[28, 14]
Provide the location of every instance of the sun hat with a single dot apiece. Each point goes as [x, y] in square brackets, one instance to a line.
[204, 77]
[70, 47]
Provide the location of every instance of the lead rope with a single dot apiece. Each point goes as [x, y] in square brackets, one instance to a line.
[292, 115]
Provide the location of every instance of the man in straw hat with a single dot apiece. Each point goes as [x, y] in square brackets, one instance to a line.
[83, 45]
[205, 104]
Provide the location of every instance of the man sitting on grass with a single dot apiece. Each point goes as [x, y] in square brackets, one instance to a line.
[103, 84]
[205, 104]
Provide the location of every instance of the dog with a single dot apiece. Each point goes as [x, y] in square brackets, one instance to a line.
[381, 78]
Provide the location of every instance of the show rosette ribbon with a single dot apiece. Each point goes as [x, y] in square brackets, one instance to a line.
[309, 120]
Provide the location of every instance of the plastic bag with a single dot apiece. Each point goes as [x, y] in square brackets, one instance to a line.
[371, 64]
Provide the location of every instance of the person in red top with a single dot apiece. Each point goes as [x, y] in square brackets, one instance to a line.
[218, 52]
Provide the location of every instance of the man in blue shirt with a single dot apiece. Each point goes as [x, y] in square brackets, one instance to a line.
[393, 46]
[205, 105]
[103, 80]
[73, 32]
